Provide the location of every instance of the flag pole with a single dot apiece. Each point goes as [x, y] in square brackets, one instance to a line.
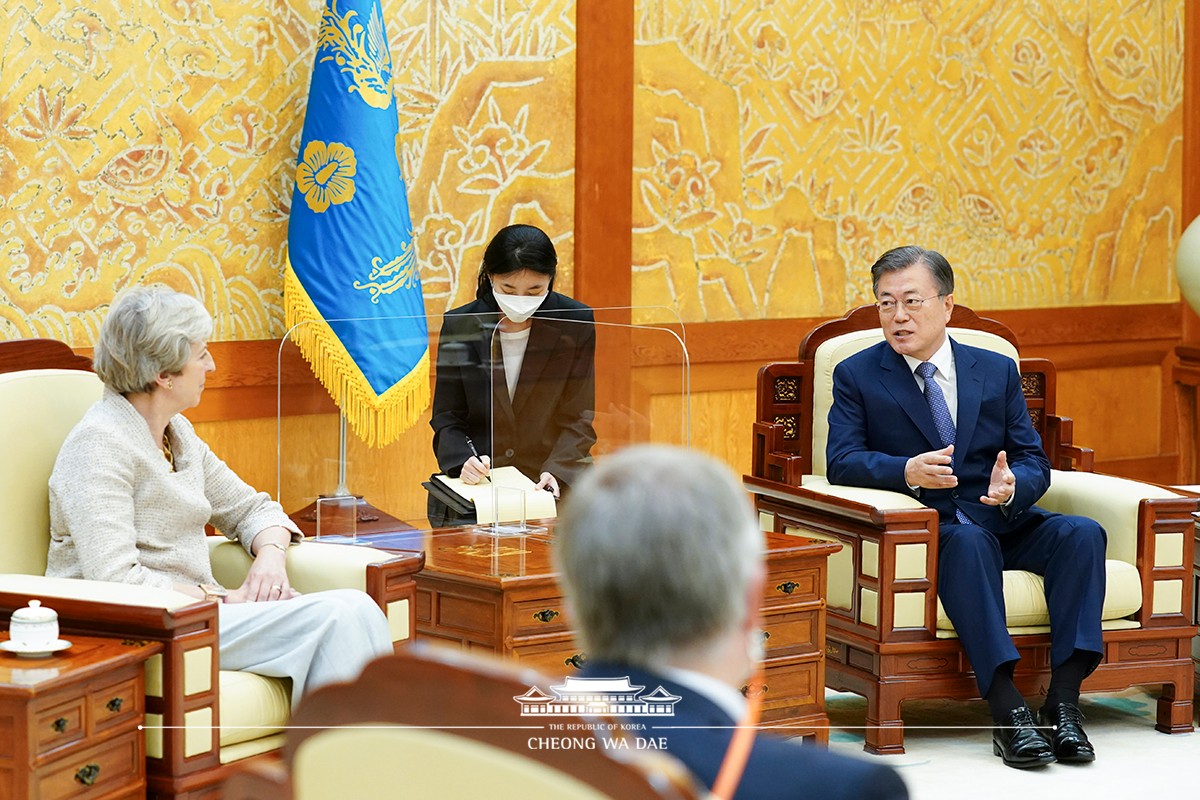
[364, 511]
[342, 490]
[351, 257]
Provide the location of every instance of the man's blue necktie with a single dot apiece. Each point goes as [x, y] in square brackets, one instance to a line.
[941, 416]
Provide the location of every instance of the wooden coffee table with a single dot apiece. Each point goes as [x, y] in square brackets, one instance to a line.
[69, 722]
[501, 595]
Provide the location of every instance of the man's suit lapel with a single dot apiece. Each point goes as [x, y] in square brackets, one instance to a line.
[970, 396]
[899, 382]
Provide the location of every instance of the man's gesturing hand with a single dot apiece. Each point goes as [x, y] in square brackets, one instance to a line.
[1003, 484]
[932, 470]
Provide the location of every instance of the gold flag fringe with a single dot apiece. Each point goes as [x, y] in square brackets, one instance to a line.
[376, 419]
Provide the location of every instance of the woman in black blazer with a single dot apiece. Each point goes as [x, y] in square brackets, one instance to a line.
[526, 352]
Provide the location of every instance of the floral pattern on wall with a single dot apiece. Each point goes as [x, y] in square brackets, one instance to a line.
[780, 147]
[156, 142]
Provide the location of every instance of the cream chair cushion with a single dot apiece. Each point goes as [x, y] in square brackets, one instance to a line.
[1025, 597]
[252, 706]
[255, 709]
[38, 408]
[314, 567]
[427, 763]
[879, 498]
[1111, 501]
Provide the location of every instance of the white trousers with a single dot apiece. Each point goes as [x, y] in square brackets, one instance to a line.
[314, 639]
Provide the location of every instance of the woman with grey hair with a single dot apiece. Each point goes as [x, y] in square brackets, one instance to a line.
[134, 486]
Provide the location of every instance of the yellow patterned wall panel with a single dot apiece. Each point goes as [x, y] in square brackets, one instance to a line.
[499, 151]
[157, 142]
[781, 146]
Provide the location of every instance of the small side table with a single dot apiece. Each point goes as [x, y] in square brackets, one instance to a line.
[69, 722]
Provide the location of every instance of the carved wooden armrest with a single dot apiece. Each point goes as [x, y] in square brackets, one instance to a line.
[1165, 559]
[779, 447]
[393, 586]
[317, 566]
[1064, 454]
[888, 570]
[770, 459]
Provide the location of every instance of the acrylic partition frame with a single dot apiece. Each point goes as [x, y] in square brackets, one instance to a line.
[641, 390]
[590, 383]
[321, 455]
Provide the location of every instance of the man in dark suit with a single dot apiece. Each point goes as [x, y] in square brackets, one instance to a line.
[923, 414]
[663, 571]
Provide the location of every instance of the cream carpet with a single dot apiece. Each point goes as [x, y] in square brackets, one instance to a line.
[949, 752]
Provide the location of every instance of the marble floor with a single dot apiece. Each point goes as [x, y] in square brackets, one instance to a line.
[949, 752]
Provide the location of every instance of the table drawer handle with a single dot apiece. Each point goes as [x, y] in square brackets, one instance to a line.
[787, 587]
[115, 704]
[545, 615]
[87, 775]
[766, 635]
[60, 725]
[577, 661]
[745, 690]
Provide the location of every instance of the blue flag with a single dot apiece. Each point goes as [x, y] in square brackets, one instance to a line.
[350, 248]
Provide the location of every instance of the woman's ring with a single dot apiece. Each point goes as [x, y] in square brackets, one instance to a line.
[276, 588]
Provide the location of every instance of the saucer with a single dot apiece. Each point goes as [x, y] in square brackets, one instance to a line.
[36, 650]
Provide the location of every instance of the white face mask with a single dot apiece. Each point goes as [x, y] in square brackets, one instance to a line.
[518, 307]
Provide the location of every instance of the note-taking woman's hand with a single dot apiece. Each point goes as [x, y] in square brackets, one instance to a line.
[476, 469]
[549, 483]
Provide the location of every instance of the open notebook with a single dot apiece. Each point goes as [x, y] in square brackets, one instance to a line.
[508, 488]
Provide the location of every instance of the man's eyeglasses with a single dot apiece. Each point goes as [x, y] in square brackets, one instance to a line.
[911, 304]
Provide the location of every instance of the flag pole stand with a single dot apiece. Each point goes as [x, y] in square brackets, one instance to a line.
[369, 518]
[342, 490]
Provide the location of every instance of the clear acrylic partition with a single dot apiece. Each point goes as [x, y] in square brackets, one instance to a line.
[587, 389]
[331, 480]
[569, 389]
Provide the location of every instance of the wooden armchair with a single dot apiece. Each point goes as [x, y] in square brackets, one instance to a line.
[198, 718]
[437, 722]
[887, 637]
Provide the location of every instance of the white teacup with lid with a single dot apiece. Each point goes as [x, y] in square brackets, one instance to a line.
[33, 626]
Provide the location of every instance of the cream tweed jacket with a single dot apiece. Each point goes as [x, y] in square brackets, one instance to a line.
[118, 512]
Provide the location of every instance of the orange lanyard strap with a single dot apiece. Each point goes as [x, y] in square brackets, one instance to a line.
[738, 752]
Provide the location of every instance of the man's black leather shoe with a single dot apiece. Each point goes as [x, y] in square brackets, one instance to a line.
[1019, 741]
[1070, 742]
